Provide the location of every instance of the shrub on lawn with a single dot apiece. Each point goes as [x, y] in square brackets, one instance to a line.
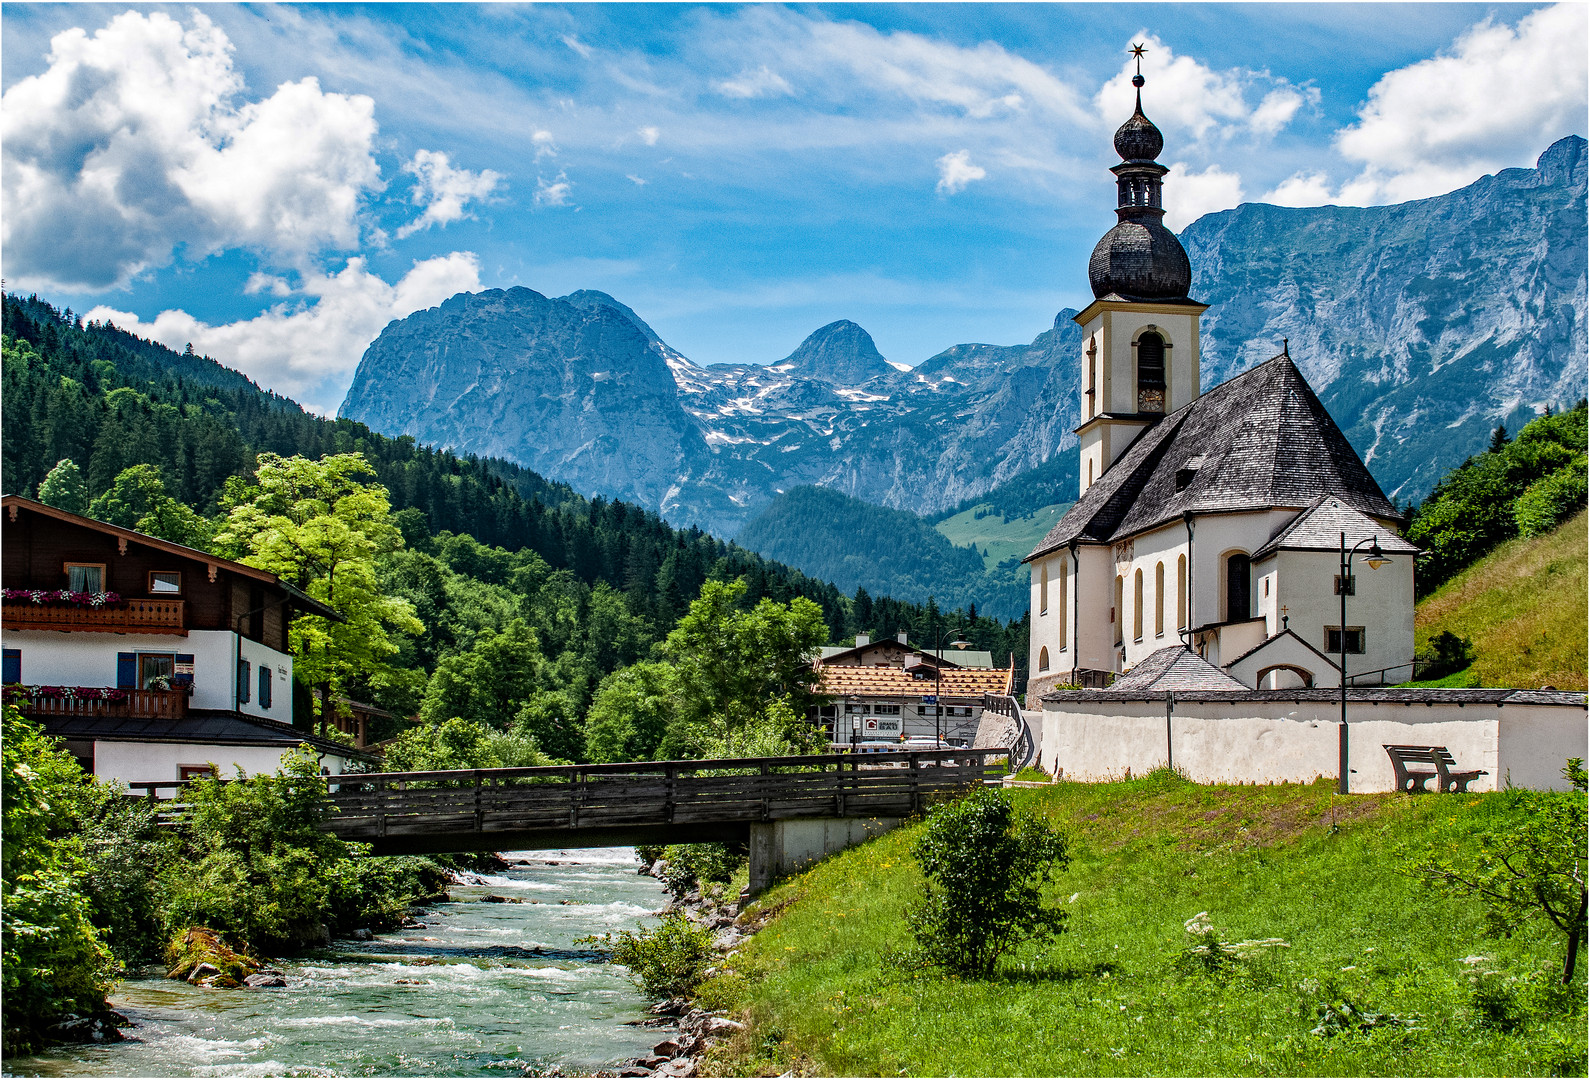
[666, 961]
[985, 862]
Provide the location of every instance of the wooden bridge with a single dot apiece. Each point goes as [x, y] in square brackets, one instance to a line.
[789, 809]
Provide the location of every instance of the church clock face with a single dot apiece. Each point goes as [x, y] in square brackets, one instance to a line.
[1151, 401]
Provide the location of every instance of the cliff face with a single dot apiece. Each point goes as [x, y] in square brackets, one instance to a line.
[1421, 326]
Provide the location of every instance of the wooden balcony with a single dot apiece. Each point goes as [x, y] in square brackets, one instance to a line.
[137, 704]
[123, 617]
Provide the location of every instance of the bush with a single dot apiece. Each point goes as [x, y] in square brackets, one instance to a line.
[1551, 500]
[985, 863]
[688, 866]
[374, 893]
[126, 856]
[52, 958]
[1448, 653]
[666, 961]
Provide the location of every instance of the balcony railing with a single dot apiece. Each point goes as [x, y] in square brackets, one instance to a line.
[138, 704]
[123, 617]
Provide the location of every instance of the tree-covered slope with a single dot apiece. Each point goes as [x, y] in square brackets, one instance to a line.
[858, 545]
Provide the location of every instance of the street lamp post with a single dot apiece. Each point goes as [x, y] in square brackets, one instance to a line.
[1375, 558]
[938, 683]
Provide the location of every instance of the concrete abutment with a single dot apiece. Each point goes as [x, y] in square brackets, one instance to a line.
[782, 848]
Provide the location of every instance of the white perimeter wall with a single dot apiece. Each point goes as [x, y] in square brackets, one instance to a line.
[138, 761]
[1291, 742]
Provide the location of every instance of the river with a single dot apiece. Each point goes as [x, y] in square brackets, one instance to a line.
[465, 996]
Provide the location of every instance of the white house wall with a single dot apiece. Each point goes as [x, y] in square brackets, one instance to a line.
[1283, 741]
[82, 658]
[133, 762]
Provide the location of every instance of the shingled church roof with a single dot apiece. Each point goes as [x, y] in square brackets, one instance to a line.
[1260, 440]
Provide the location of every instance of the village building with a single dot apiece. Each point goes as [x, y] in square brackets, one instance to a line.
[889, 691]
[150, 660]
[1212, 520]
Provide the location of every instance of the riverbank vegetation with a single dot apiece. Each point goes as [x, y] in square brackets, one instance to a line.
[1211, 930]
[93, 884]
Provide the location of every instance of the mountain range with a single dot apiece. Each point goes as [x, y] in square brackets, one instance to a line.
[1421, 325]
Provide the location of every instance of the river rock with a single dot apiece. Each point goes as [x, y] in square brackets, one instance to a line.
[96, 1027]
[262, 980]
[672, 1007]
[360, 935]
[658, 868]
[667, 1048]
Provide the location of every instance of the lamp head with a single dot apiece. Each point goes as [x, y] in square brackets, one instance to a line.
[961, 644]
[1376, 558]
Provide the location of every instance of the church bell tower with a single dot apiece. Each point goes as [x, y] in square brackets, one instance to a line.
[1140, 334]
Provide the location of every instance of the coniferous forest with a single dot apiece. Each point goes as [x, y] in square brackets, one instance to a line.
[496, 561]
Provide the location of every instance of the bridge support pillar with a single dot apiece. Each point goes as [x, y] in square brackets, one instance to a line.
[782, 848]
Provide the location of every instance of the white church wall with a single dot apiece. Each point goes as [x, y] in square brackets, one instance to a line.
[1382, 605]
[1094, 639]
[1285, 741]
[1146, 553]
[1282, 651]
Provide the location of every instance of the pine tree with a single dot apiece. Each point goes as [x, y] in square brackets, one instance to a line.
[64, 488]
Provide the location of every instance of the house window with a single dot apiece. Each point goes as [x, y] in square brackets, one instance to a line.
[195, 772]
[165, 582]
[1043, 658]
[1151, 373]
[1043, 588]
[1181, 592]
[13, 666]
[244, 670]
[1159, 599]
[155, 670]
[1239, 588]
[85, 577]
[1333, 639]
[264, 687]
[1137, 606]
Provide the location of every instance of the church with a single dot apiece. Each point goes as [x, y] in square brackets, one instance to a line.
[1210, 527]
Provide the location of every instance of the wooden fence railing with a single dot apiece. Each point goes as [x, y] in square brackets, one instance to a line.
[376, 806]
[123, 617]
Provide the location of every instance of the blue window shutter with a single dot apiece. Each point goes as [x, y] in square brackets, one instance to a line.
[186, 678]
[243, 673]
[13, 666]
[127, 670]
[184, 658]
[264, 687]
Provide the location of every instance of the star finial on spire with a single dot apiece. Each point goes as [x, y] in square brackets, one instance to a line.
[1137, 50]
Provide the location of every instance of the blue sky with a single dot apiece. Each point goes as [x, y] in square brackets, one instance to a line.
[275, 183]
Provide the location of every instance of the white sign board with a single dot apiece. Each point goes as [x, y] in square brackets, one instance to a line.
[880, 727]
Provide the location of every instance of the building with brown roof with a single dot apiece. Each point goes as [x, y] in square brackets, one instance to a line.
[889, 691]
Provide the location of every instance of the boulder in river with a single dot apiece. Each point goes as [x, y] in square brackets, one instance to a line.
[95, 1027]
[199, 956]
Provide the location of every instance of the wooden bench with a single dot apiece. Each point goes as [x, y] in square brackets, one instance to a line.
[1445, 771]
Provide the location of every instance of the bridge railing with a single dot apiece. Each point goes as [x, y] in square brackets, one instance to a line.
[718, 791]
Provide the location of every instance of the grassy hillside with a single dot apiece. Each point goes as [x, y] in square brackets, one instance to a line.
[1323, 873]
[1523, 606]
[986, 529]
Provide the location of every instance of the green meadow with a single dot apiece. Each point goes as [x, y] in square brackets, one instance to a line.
[1367, 970]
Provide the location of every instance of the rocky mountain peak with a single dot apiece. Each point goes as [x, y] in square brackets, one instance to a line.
[840, 353]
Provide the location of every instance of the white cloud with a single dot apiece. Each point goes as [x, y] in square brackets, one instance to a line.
[578, 46]
[308, 349]
[763, 82]
[135, 141]
[544, 144]
[1301, 189]
[1494, 100]
[1200, 101]
[638, 181]
[956, 171]
[648, 135]
[553, 194]
[262, 283]
[444, 190]
[1189, 195]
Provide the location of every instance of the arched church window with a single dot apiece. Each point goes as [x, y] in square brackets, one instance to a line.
[1181, 592]
[1043, 658]
[1117, 616]
[1159, 599]
[1137, 606]
[1043, 588]
[1239, 591]
[1063, 608]
[1151, 373]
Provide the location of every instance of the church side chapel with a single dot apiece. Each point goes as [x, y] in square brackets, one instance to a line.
[1208, 523]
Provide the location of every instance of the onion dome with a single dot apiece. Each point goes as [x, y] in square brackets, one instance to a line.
[1139, 259]
[1138, 139]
